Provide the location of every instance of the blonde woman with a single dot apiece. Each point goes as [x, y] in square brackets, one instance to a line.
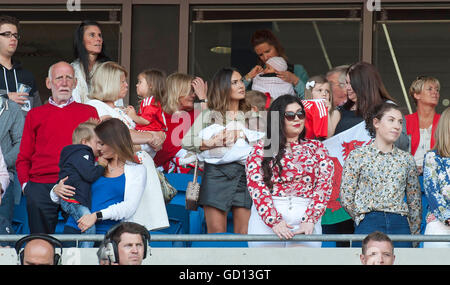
[109, 83]
[436, 182]
[421, 125]
[178, 107]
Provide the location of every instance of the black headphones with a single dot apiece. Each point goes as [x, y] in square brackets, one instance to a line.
[112, 247]
[53, 241]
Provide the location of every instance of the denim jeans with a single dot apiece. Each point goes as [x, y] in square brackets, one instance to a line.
[77, 211]
[388, 223]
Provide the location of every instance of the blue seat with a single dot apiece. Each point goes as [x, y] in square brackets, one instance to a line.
[60, 225]
[191, 220]
[20, 217]
[174, 228]
[219, 243]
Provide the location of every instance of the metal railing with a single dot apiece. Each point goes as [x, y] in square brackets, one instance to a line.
[237, 237]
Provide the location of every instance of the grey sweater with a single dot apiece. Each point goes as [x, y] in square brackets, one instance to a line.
[11, 127]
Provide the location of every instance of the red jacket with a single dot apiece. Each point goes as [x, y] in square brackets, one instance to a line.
[47, 130]
[413, 129]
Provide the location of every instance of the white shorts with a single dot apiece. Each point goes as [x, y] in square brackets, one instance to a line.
[292, 209]
[436, 228]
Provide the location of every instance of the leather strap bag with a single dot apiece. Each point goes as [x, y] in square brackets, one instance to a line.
[193, 191]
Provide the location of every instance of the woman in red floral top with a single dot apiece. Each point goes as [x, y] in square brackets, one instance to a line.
[289, 178]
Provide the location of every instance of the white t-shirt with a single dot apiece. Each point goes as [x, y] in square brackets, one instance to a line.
[104, 109]
[424, 146]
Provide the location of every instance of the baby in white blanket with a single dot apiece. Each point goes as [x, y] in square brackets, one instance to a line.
[227, 154]
[274, 85]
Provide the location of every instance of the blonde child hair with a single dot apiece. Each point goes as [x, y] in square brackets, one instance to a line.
[257, 99]
[84, 131]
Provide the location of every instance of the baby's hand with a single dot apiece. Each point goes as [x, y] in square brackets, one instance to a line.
[102, 161]
[130, 110]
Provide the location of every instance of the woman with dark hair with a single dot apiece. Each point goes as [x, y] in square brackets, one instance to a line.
[88, 51]
[266, 45]
[380, 189]
[288, 177]
[365, 89]
[117, 195]
[223, 186]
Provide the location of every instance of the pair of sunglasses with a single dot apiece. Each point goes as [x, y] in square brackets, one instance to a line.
[290, 116]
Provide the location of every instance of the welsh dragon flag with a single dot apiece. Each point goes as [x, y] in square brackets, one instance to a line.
[339, 147]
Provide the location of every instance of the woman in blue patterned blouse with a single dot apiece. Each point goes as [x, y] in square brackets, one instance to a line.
[377, 177]
[436, 182]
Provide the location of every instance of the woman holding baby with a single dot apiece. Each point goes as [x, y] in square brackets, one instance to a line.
[223, 186]
[266, 46]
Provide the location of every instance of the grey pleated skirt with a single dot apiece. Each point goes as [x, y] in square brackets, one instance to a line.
[224, 186]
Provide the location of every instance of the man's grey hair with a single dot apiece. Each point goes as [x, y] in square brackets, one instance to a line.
[51, 68]
[341, 69]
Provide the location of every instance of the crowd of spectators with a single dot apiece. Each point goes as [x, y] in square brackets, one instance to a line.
[259, 136]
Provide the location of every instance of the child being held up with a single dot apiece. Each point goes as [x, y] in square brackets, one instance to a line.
[267, 81]
[318, 88]
[78, 169]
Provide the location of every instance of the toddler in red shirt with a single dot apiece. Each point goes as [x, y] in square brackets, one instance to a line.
[151, 87]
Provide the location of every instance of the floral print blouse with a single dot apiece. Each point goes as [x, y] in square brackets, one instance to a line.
[377, 181]
[307, 172]
[436, 184]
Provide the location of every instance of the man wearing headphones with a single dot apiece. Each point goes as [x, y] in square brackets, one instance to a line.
[39, 249]
[125, 244]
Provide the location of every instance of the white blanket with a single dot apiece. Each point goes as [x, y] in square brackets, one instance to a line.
[227, 154]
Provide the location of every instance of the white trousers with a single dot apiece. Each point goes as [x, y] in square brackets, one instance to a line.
[436, 228]
[292, 209]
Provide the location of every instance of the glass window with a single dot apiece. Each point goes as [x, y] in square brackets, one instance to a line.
[316, 37]
[409, 43]
[47, 36]
[154, 41]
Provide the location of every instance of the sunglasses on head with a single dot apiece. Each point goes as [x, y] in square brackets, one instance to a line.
[290, 116]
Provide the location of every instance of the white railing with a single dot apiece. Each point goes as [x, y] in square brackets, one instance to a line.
[237, 237]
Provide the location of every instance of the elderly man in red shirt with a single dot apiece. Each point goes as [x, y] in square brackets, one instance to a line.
[48, 128]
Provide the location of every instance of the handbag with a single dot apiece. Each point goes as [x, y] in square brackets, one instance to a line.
[167, 189]
[193, 191]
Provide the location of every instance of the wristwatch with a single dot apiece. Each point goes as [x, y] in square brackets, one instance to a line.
[203, 100]
[99, 215]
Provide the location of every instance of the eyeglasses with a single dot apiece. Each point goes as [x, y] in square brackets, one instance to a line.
[290, 116]
[9, 35]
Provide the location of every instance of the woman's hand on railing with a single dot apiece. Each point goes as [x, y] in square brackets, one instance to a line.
[305, 228]
[283, 230]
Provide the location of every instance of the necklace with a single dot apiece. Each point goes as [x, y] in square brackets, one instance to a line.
[111, 169]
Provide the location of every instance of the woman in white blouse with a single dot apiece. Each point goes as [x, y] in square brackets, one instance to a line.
[109, 85]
